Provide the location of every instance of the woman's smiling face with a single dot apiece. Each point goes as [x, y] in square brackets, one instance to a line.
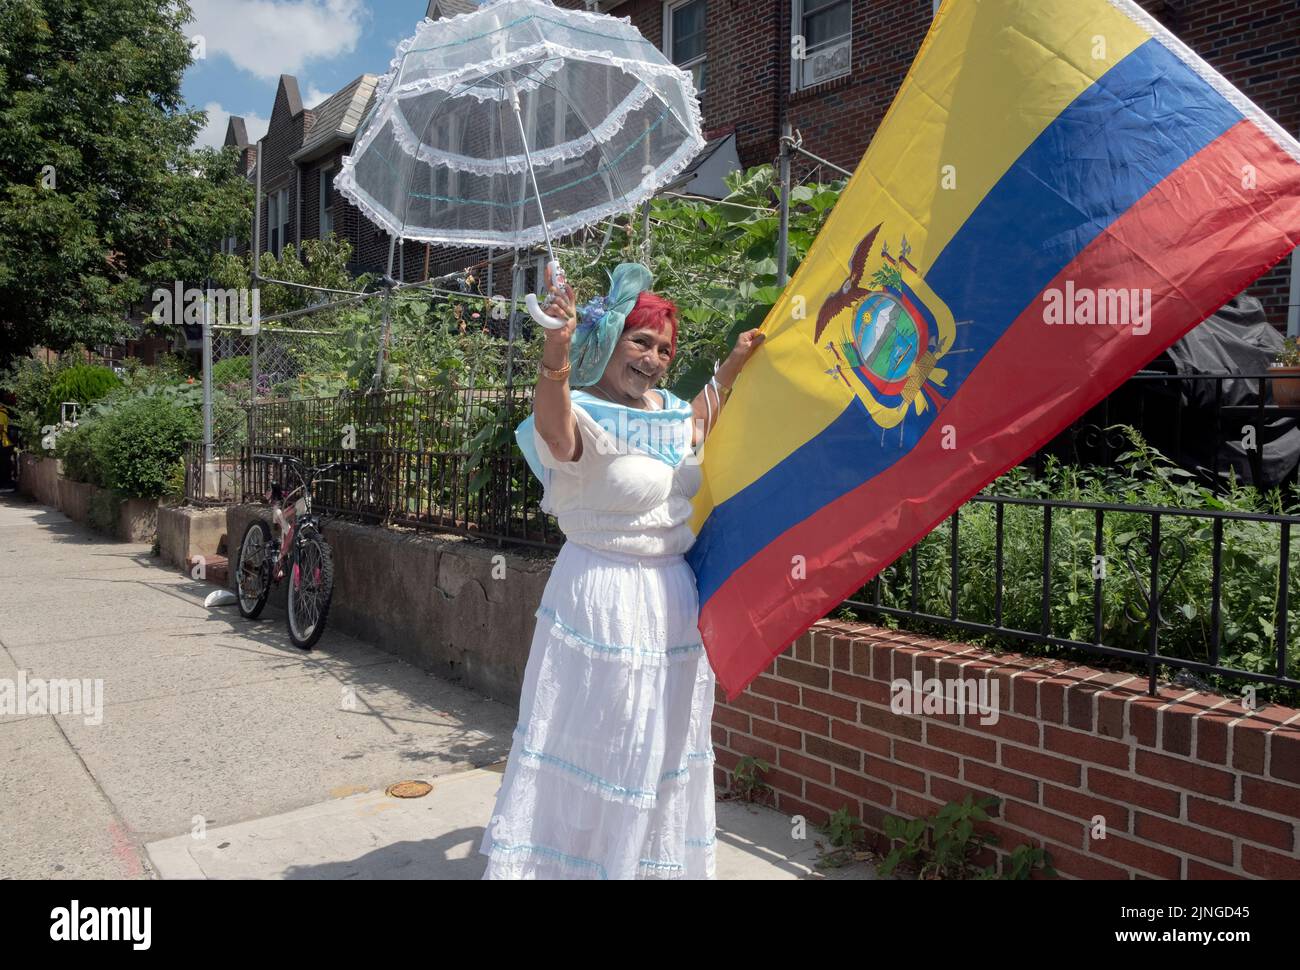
[639, 362]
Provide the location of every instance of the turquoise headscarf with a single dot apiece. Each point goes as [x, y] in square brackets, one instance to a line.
[600, 323]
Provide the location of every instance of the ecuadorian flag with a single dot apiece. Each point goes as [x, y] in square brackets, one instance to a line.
[1060, 190]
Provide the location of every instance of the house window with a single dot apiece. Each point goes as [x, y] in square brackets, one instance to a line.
[326, 202]
[826, 29]
[685, 38]
[273, 223]
[284, 219]
[277, 221]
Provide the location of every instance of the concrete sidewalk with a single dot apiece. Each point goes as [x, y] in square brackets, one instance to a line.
[224, 752]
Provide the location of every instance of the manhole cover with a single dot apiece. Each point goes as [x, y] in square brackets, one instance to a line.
[409, 789]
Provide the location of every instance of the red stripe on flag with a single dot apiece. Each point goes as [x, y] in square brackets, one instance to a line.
[1201, 236]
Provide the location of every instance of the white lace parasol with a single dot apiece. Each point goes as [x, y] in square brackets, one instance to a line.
[603, 117]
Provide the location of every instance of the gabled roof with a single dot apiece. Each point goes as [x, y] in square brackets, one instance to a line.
[236, 133]
[287, 94]
[337, 118]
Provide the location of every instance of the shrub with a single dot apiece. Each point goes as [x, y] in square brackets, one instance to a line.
[30, 380]
[140, 441]
[83, 383]
[78, 449]
[175, 485]
[232, 370]
[1250, 599]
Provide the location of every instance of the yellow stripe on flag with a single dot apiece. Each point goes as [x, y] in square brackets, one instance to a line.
[991, 75]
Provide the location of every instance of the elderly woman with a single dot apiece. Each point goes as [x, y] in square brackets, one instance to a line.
[610, 775]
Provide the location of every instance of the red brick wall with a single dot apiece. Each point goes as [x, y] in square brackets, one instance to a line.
[1190, 787]
[1255, 44]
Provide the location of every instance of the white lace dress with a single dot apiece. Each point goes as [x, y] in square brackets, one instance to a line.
[610, 775]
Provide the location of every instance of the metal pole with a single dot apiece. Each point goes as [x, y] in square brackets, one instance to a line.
[645, 230]
[254, 368]
[820, 161]
[207, 382]
[516, 286]
[378, 383]
[783, 239]
[257, 265]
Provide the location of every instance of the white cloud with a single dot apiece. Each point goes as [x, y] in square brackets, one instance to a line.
[268, 38]
[314, 96]
[213, 133]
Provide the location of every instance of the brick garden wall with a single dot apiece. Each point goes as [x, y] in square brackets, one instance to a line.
[1190, 786]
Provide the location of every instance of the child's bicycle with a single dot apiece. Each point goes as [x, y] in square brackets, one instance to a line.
[299, 549]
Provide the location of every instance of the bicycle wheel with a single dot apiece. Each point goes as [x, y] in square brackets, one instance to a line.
[253, 570]
[311, 584]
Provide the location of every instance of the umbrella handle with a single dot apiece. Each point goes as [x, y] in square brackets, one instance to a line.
[535, 308]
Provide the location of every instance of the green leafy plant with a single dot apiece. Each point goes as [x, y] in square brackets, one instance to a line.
[1289, 355]
[746, 779]
[232, 370]
[174, 486]
[1024, 859]
[30, 381]
[79, 449]
[141, 439]
[943, 845]
[845, 834]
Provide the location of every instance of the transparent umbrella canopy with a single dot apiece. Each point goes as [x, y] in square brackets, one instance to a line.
[518, 123]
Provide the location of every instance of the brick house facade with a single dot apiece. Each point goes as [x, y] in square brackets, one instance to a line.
[301, 152]
[1255, 44]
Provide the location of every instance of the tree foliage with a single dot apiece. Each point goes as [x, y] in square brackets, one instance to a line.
[101, 196]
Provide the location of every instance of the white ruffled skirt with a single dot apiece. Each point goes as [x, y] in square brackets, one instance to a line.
[610, 775]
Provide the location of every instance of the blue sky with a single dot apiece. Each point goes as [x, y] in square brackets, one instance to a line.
[323, 43]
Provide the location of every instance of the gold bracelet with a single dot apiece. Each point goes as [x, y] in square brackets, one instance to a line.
[556, 375]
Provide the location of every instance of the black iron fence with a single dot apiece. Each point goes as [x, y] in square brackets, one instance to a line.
[442, 459]
[1207, 592]
[212, 476]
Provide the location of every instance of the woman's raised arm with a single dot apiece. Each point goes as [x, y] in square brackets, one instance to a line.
[706, 409]
[552, 409]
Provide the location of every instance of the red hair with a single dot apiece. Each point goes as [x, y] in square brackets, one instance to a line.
[654, 312]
